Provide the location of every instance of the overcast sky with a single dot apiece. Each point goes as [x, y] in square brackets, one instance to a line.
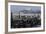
[15, 8]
